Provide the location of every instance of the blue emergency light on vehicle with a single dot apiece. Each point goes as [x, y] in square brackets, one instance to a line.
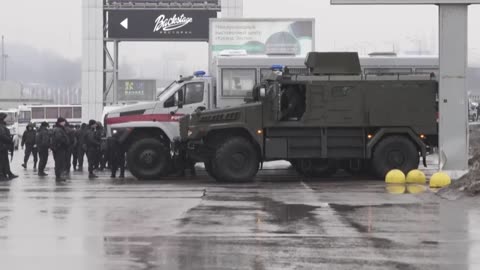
[277, 67]
[199, 73]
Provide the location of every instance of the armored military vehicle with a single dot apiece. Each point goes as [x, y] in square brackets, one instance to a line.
[329, 118]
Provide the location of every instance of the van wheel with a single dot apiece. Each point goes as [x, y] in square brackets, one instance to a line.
[236, 160]
[316, 167]
[149, 159]
[394, 152]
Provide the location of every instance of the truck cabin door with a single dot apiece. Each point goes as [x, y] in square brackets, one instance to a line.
[191, 97]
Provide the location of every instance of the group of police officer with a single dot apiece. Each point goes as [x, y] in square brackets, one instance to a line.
[68, 144]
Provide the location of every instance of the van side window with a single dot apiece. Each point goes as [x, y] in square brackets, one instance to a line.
[194, 93]
[172, 101]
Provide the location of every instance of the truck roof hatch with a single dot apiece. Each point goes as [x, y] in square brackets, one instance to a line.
[333, 63]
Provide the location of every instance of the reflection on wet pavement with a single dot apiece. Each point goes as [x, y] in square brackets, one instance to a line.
[199, 224]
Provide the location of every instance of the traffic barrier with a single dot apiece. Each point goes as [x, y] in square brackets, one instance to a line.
[440, 180]
[395, 177]
[416, 177]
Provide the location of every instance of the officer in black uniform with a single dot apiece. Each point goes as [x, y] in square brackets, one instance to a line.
[93, 148]
[71, 146]
[75, 148]
[103, 156]
[28, 141]
[60, 144]
[6, 145]
[43, 143]
[116, 154]
[81, 147]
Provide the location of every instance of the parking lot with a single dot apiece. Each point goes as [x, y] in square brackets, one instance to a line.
[280, 221]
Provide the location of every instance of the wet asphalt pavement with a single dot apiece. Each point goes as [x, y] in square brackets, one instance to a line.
[276, 222]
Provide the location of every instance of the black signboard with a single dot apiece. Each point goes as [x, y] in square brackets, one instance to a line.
[137, 90]
[172, 25]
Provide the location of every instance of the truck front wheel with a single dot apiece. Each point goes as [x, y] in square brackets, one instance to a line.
[209, 169]
[395, 152]
[236, 160]
[149, 159]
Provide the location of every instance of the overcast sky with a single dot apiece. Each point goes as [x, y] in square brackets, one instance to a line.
[56, 25]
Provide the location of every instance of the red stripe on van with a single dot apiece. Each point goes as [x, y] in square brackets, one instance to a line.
[144, 118]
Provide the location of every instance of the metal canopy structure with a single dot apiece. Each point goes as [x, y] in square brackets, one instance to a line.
[100, 52]
[453, 99]
[162, 4]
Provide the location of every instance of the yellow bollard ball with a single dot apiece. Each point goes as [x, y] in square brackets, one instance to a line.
[440, 180]
[395, 177]
[416, 177]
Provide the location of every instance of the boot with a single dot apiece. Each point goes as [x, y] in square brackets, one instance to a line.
[42, 174]
[92, 176]
[35, 165]
[12, 176]
[24, 165]
[60, 179]
[113, 175]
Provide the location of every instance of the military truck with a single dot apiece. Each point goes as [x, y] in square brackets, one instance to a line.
[329, 118]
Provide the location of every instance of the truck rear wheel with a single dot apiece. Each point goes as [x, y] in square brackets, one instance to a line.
[316, 167]
[236, 160]
[149, 159]
[395, 152]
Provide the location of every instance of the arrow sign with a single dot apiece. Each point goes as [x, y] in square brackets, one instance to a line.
[124, 23]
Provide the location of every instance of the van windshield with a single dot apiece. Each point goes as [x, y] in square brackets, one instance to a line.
[166, 89]
[165, 94]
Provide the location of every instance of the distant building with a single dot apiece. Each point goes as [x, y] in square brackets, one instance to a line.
[11, 96]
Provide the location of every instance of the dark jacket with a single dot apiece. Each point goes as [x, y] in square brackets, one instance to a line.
[80, 136]
[72, 140]
[29, 136]
[92, 140]
[43, 138]
[6, 140]
[60, 138]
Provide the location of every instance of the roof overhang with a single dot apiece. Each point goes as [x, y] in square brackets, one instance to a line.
[403, 2]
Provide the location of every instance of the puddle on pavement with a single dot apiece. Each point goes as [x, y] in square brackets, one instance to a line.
[406, 189]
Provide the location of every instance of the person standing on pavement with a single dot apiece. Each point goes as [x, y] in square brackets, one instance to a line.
[75, 148]
[102, 154]
[116, 154]
[81, 147]
[43, 143]
[93, 148]
[60, 144]
[71, 146]
[28, 141]
[6, 145]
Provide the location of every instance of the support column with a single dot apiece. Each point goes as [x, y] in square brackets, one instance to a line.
[115, 72]
[92, 60]
[453, 137]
